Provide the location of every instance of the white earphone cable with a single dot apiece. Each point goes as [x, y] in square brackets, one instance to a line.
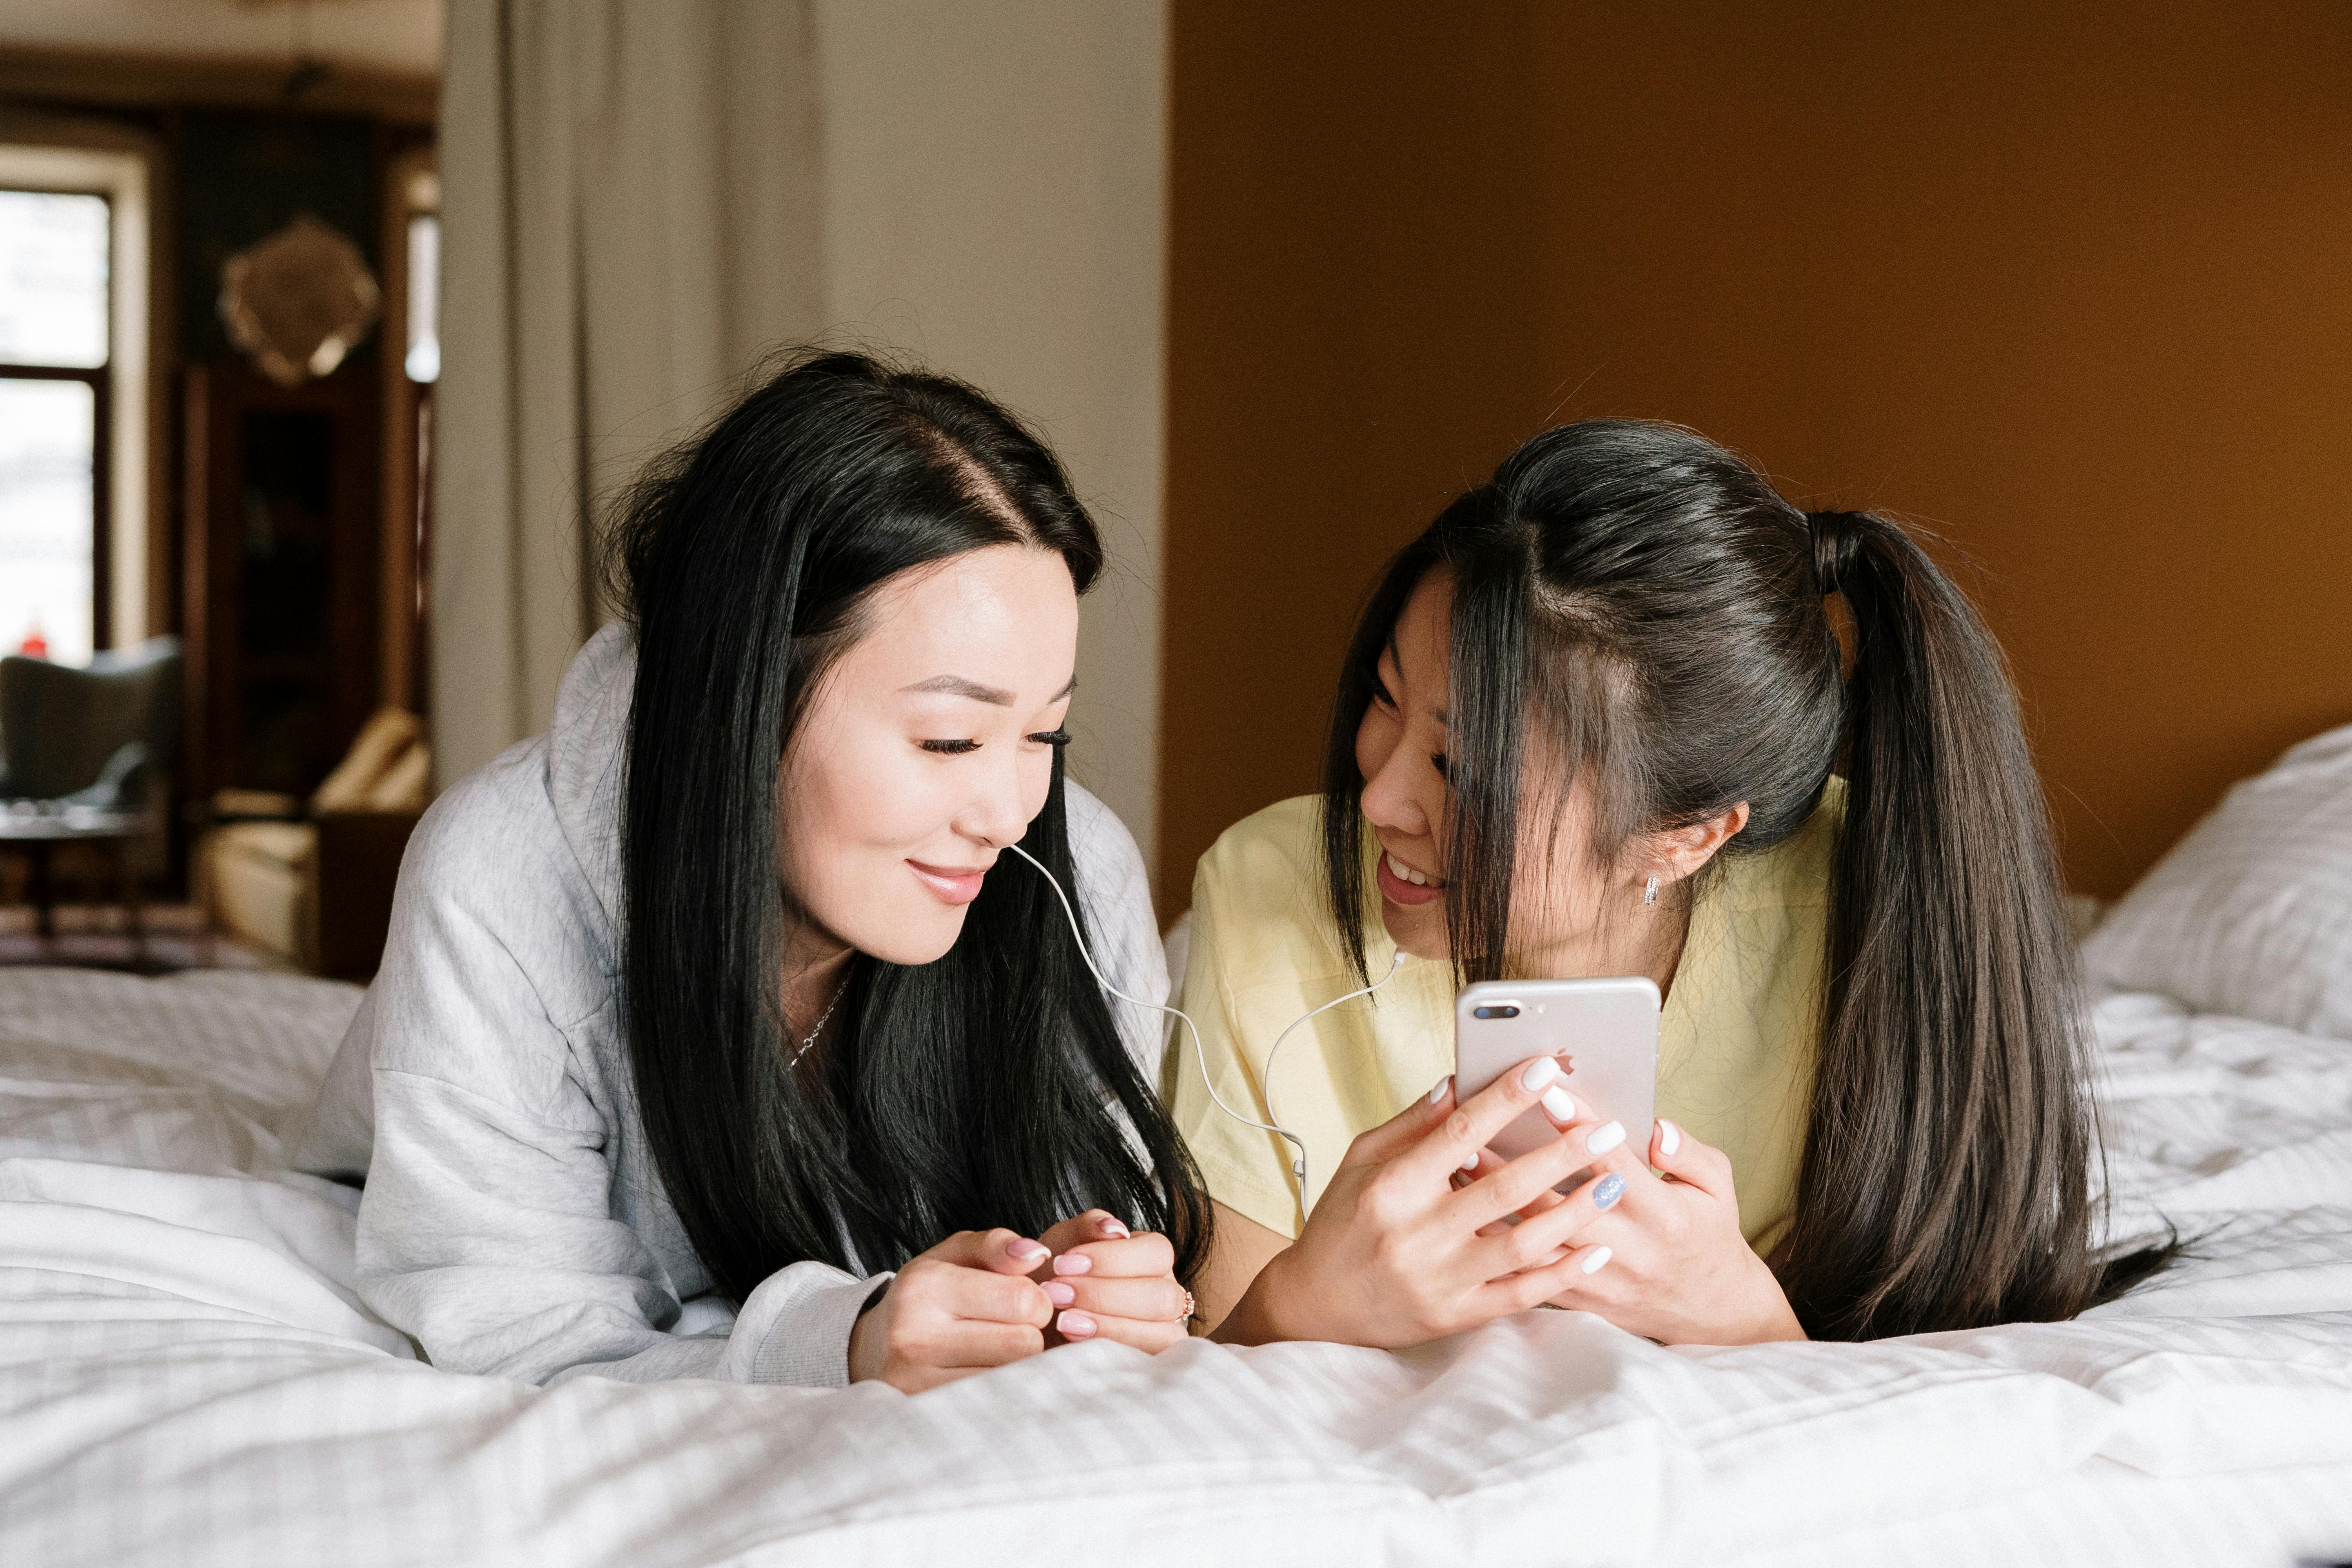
[1298, 1147]
[1267, 1075]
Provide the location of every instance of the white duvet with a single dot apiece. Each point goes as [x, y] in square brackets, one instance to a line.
[186, 1378]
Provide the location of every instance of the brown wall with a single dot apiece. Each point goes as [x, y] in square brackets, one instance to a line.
[2073, 290]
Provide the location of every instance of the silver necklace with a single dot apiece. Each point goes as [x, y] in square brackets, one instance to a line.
[823, 1018]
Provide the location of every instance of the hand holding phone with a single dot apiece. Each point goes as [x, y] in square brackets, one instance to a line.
[1397, 1251]
[1609, 1026]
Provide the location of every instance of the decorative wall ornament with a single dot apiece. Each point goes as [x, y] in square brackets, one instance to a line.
[299, 300]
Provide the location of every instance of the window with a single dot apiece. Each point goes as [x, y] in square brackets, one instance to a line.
[423, 361]
[412, 247]
[76, 491]
[55, 311]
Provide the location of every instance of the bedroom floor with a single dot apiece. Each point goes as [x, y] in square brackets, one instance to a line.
[96, 936]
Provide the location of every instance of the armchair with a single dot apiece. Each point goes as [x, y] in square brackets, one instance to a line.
[85, 756]
[311, 882]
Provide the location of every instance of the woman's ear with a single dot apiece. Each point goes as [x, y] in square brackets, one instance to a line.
[1680, 852]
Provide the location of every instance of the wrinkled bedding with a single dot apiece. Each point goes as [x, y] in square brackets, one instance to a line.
[186, 1376]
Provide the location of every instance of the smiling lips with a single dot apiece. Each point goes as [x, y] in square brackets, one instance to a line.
[951, 885]
[1400, 884]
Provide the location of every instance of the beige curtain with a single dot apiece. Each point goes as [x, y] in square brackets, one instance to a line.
[630, 204]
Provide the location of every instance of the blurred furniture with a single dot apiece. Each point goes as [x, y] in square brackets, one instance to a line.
[282, 570]
[85, 757]
[36, 831]
[312, 881]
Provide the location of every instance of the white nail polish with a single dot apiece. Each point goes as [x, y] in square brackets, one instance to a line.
[1668, 1138]
[1605, 1138]
[1557, 1100]
[1598, 1261]
[1540, 1071]
[1438, 1093]
[1471, 1162]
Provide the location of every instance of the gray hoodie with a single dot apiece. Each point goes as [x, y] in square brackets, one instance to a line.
[513, 1222]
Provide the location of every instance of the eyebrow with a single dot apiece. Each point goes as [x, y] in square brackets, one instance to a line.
[972, 690]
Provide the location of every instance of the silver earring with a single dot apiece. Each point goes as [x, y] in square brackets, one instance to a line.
[1650, 893]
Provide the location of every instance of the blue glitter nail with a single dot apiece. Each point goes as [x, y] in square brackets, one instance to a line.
[1607, 1190]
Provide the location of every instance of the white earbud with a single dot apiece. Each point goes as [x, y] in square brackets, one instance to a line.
[1298, 1147]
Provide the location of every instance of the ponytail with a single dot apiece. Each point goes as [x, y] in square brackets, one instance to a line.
[1644, 605]
[1944, 1181]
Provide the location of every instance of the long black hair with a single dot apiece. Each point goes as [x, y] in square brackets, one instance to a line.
[1643, 606]
[985, 1088]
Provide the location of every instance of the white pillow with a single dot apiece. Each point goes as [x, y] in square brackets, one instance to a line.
[2251, 914]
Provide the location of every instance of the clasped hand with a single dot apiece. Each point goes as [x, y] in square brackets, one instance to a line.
[1424, 1231]
[982, 1299]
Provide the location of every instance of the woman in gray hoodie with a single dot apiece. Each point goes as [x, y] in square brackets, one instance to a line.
[715, 1036]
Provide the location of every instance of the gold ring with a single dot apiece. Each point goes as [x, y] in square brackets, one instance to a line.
[1186, 1315]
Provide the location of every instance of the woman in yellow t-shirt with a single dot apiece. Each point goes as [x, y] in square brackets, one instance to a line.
[1588, 725]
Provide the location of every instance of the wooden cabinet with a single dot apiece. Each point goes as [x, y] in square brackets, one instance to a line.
[283, 562]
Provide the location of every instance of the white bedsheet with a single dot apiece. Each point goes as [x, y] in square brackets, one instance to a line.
[185, 1376]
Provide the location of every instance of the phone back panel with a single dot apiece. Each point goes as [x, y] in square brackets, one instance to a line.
[1609, 1026]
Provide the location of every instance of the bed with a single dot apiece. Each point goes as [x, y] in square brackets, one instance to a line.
[186, 1376]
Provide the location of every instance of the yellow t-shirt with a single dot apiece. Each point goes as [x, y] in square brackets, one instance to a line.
[1736, 1046]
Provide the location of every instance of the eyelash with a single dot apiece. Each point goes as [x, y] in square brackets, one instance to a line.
[961, 748]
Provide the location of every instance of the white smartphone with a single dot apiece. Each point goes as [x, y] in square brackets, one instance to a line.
[1608, 1026]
